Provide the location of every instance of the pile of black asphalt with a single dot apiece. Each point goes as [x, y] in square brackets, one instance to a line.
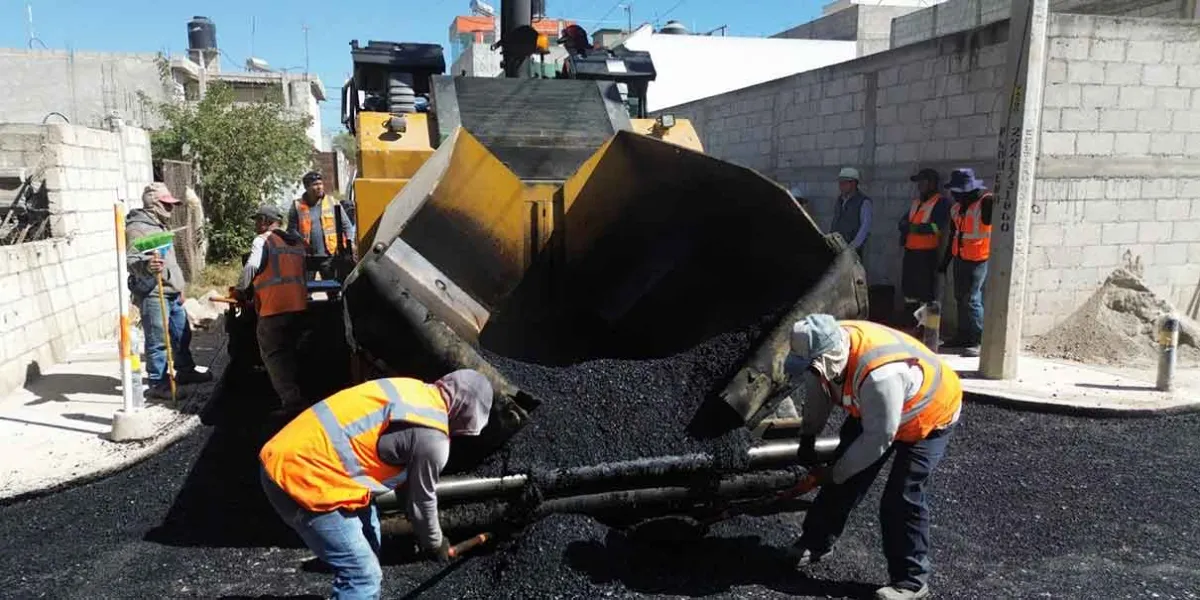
[1025, 505]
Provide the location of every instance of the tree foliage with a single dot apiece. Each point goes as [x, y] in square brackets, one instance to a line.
[347, 145]
[245, 154]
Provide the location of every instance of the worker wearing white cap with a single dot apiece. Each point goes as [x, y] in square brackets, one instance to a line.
[902, 400]
[852, 212]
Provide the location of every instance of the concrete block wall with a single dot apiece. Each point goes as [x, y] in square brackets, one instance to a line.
[933, 104]
[86, 87]
[1119, 168]
[867, 24]
[59, 293]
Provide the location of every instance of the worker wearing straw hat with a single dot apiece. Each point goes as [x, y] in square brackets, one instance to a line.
[144, 271]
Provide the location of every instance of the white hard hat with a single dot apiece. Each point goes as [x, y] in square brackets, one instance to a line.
[849, 173]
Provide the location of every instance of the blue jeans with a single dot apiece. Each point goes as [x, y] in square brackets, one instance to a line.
[348, 541]
[903, 511]
[156, 344]
[968, 294]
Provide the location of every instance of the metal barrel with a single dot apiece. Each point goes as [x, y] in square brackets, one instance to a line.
[1168, 347]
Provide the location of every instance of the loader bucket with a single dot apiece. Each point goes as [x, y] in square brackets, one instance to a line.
[645, 251]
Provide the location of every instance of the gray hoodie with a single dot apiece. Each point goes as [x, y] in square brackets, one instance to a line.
[141, 223]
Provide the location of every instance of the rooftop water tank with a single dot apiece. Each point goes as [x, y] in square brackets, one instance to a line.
[674, 27]
[202, 34]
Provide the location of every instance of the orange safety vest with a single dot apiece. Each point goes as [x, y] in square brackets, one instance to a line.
[974, 239]
[921, 213]
[933, 406]
[326, 459]
[280, 288]
[328, 224]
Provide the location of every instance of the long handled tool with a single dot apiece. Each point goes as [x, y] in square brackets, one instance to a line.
[455, 553]
[160, 243]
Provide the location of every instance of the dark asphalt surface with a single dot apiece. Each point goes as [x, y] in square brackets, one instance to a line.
[1026, 506]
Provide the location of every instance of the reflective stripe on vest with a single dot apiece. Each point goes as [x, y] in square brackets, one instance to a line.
[327, 458]
[280, 287]
[933, 406]
[973, 239]
[328, 224]
[921, 213]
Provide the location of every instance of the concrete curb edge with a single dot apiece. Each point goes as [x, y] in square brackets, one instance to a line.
[1071, 410]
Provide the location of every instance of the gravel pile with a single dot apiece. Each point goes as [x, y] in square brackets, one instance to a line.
[1116, 326]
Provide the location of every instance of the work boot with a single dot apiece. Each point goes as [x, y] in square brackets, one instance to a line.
[802, 557]
[971, 351]
[162, 393]
[893, 592]
[191, 376]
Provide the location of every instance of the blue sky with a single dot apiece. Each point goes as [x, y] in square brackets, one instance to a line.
[278, 34]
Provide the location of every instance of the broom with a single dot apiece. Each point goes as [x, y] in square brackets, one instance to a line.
[161, 243]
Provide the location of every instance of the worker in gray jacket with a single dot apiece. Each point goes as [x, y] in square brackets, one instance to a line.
[902, 400]
[157, 204]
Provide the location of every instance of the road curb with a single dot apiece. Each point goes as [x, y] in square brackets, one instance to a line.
[170, 433]
[1072, 410]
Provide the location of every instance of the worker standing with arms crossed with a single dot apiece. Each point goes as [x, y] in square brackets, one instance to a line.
[273, 278]
[921, 233]
[312, 218]
[902, 400]
[852, 212]
[322, 471]
[970, 249]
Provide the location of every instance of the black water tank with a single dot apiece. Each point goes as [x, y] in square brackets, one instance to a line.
[202, 34]
[539, 8]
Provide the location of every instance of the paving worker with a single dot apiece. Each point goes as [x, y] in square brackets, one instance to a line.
[319, 231]
[152, 218]
[922, 231]
[902, 400]
[322, 471]
[273, 278]
[970, 248]
[852, 213]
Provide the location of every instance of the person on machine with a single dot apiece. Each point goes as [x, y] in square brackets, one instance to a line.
[273, 278]
[902, 400]
[323, 470]
[319, 231]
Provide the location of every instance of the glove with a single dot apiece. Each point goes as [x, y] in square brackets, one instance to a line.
[813, 480]
[442, 553]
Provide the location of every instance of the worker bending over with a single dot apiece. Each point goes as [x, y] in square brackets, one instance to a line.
[322, 471]
[901, 399]
[319, 230]
[274, 279]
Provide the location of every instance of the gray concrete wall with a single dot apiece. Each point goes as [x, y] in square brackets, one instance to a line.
[1119, 171]
[84, 86]
[59, 293]
[962, 15]
[869, 25]
[932, 104]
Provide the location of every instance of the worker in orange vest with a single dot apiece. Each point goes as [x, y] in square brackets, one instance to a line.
[312, 217]
[970, 248]
[902, 400]
[922, 231]
[323, 470]
[273, 278]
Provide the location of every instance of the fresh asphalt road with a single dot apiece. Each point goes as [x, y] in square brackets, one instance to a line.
[1026, 506]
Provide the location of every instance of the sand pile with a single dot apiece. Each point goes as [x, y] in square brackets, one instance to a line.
[1116, 326]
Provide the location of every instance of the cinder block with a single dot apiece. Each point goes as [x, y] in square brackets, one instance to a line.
[1085, 189]
[1188, 121]
[1154, 232]
[1183, 53]
[1064, 95]
[1188, 231]
[1168, 144]
[1107, 50]
[1047, 234]
[1115, 120]
[1099, 96]
[973, 125]
[1083, 234]
[1132, 144]
[1081, 278]
[1069, 48]
[960, 105]
[1044, 279]
[1065, 257]
[1155, 120]
[1080, 119]
[934, 150]
[1051, 119]
[1058, 144]
[1189, 188]
[1122, 74]
[1160, 75]
[1193, 253]
[1189, 78]
[1085, 72]
[1161, 187]
[1056, 71]
[1101, 211]
[1095, 144]
[1172, 210]
[1173, 98]
[1101, 256]
[1136, 97]
[984, 147]
[1144, 51]
[1171, 254]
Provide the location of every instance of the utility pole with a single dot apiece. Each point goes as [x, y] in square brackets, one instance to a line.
[305, 28]
[1016, 156]
[628, 6]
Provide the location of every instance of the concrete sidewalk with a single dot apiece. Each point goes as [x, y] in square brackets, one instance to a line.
[1065, 387]
[55, 430]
